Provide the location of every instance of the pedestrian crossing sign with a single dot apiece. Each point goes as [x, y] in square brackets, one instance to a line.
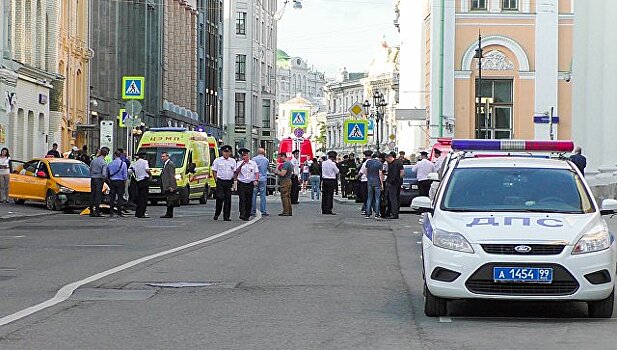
[122, 114]
[356, 132]
[133, 88]
[299, 119]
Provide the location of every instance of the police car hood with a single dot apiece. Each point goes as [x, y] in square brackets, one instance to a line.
[521, 227]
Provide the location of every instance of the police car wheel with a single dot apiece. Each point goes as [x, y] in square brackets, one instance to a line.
[434, 306]
[601, 308]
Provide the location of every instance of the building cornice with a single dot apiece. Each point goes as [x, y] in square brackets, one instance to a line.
[496, 15]
[8, 75]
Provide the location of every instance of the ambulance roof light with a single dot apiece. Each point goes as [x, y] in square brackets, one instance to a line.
[512, 145]
[168, 129]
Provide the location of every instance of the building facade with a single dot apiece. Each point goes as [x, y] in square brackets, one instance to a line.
[526, 64]
[73, 64]
[26, 80]
[294, 76]
[249, 65]
[158, 40]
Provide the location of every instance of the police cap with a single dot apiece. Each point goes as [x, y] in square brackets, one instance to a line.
[243, 151]
[423, 153]
[226, 148]
[295, 152]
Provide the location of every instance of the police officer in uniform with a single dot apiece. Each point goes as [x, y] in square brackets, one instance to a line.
[247, 174]
[224, 169]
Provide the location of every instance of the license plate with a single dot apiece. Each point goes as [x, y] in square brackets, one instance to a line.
[154, 190]
[523, 274]
[414, 187]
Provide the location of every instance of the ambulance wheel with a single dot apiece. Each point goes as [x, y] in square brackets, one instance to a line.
[602, 308]
[184, 200]
[204, 196]
[434, 306]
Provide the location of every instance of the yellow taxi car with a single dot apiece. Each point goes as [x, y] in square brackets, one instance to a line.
[62, 184]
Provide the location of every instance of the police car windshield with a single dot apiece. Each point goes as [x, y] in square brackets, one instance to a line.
[153, 156]
[517, 190]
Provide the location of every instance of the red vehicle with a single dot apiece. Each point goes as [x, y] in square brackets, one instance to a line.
[288, 145]
[444, 144]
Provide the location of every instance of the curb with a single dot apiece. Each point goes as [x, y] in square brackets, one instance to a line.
[24, 217]
[345, 201]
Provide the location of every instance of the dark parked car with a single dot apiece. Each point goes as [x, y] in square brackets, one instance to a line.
[409, 188]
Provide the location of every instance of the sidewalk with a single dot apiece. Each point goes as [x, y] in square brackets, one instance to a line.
[13, 212]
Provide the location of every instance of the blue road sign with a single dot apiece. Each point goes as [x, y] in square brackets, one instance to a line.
[371, 127]
[356, 131]
[299, 119]
[133, 88]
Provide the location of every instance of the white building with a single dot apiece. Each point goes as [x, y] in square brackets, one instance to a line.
[594, 71]
[249, 45]
[25, 84]
[294, 76]
[315, 119]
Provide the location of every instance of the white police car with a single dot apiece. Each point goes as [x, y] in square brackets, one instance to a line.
[516, 227]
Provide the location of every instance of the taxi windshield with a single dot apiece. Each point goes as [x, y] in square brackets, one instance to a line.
[516, 190]
[69, 169]
[153, 156]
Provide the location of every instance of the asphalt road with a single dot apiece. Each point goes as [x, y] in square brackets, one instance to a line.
[305, 282]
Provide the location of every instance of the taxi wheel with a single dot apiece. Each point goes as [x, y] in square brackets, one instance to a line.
[19, 201]
[204, 197]
[434, 306]
[601, 308]
[51, 201]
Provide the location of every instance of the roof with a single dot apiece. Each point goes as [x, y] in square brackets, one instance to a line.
[513, 162]
[299, 100]
[282, 55]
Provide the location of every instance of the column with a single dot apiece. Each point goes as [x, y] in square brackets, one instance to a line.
[547, 38]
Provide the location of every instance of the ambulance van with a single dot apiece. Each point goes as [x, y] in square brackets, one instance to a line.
[190, 151]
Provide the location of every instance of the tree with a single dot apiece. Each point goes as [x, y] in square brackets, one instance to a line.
[321, 139]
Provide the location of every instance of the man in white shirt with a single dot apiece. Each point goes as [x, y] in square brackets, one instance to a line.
[363, 186]
[329, 170]
[224, 169]
[247, 174]
[295, 181]
[141, 170]
[422, 169]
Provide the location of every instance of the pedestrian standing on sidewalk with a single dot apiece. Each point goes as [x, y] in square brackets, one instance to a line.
[306, 173]
[437, 169]
[284, 173]
[374, 174]
[5, 175]
[315, 179]
[422, 169]
[141, 171]
[262, 187]
[169, 185]
[117, 173]
[223, 169]
[363, 187]
[53, 152]
[579, 160]
[329, 171]
[295, 181]
[394, 180]
[247, 174]
[98, 172]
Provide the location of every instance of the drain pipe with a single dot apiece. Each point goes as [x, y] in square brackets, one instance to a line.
[441, 49]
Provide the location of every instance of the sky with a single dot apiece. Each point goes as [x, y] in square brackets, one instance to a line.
[332, 34]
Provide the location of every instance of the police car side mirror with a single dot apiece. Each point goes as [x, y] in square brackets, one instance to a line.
[609, 207]
[422, 204]
[433, 177]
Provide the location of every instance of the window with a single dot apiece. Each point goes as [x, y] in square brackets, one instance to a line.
[241, 23]
[240, 67]
[240, 109]
[478, 4]
[265, 113]
[509, 5]
[496, 99]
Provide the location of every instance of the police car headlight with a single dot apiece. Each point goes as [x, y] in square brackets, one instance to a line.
[592, 242]
[451, 241]
[65, 189]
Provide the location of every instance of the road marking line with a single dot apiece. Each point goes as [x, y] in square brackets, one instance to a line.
[21, 236]
[444, 319]
[95, 245]
[65, 292]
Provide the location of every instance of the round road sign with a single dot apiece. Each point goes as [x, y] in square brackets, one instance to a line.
[298, 132]
[132, 108]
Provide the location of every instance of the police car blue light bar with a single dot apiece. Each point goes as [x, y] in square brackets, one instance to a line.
[511, 145]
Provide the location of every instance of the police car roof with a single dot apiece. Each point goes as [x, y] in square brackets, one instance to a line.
[513, 162]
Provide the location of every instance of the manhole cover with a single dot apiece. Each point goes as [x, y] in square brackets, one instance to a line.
[101, 294]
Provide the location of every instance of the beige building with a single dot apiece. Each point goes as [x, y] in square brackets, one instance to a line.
[526, 68]
[73, 61]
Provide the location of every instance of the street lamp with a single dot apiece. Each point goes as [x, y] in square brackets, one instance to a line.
[297, 5]
[479, 56]
[380, 109]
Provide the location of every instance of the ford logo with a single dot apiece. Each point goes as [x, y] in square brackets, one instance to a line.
[522, 249]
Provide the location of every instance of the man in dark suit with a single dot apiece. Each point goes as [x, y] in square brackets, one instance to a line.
[168, 182]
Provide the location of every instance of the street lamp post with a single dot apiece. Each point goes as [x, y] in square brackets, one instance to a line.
[380, 107]
[478, 101]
